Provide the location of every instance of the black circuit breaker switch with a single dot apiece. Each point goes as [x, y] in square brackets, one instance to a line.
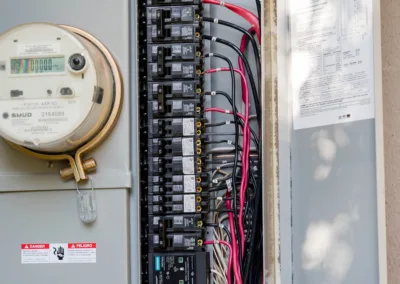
[172, 127]
[173, 52]
[161, 99]
[176, 223]
[183, 241]
[161, 61]
[179, 268]
[168, 33]
[175, 108]
[173, 14]
[172, 71]
[177, 165]
[177, 184]
[176, 89]
[177, 146]
[160, 21]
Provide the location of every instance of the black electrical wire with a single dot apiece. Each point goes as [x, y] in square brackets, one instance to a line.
[249, 37]
[217, 124]
[257, 142]
[220, 168]
[248, 70]
[258, 111]
[235, 117]
[226, 150]
[217, 162]
[252, 248]
[223, 228]
[249, 260]
[253, 253]
[258, 4]
[222, 210]
[218, 142]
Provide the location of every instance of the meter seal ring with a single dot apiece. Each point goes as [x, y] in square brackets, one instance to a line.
[76, 159]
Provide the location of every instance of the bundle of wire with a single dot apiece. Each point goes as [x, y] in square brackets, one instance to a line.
[236, 223]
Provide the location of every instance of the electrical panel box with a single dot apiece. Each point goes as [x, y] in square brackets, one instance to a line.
[159, 177]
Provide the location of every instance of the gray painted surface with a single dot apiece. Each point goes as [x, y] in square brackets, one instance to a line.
[334, 207]
[51, 217]
[328, 199]
[108, 21]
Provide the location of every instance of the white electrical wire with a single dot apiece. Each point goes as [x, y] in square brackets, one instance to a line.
[221, 278]
[221, 255]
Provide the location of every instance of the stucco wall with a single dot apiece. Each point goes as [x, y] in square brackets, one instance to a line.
[390, 12]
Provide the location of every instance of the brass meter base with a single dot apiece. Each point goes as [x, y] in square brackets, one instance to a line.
[79, 168]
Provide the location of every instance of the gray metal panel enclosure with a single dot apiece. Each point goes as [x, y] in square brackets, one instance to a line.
[46, 209]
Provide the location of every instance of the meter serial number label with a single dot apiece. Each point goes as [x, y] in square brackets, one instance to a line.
[37, 129]
[52, 114]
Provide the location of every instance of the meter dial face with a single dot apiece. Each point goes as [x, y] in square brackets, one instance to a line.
[47, 83]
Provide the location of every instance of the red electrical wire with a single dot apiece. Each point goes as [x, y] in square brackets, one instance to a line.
[246, 14]
[235, 249]
[245, 164]
[230, 256]
[246, 148]
[242, 49]
[227, 111]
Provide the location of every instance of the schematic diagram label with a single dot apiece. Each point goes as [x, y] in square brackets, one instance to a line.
[58, 253]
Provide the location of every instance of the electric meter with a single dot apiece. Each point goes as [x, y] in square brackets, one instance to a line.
[56, 88]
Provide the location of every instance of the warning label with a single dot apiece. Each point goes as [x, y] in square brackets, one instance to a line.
[58, 253]
[82, 253]
[35, 253]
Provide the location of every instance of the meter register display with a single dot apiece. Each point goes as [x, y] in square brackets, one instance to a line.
[38, 65]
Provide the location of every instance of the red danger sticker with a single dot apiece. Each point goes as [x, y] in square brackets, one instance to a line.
[35, 246]
[81, 245]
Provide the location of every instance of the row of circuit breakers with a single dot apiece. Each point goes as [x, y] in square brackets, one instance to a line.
[174, 185]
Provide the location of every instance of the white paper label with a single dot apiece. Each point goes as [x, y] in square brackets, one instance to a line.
[189, 183]
[177, 67]
[188, 126]
[189, 203]
[38, 49]
[187, 146]
[177, 105]
[188, 165]
[58, 253]
[332, 61]
[178, 220]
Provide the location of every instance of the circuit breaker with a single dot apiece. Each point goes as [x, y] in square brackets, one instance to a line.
[173, 116]
[183, 173]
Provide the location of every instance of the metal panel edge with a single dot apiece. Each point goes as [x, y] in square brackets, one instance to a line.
[270, 142]
[379, 146]
[285, 125]
[134, 204]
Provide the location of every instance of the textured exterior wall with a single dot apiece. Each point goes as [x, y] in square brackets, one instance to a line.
[390, 12]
